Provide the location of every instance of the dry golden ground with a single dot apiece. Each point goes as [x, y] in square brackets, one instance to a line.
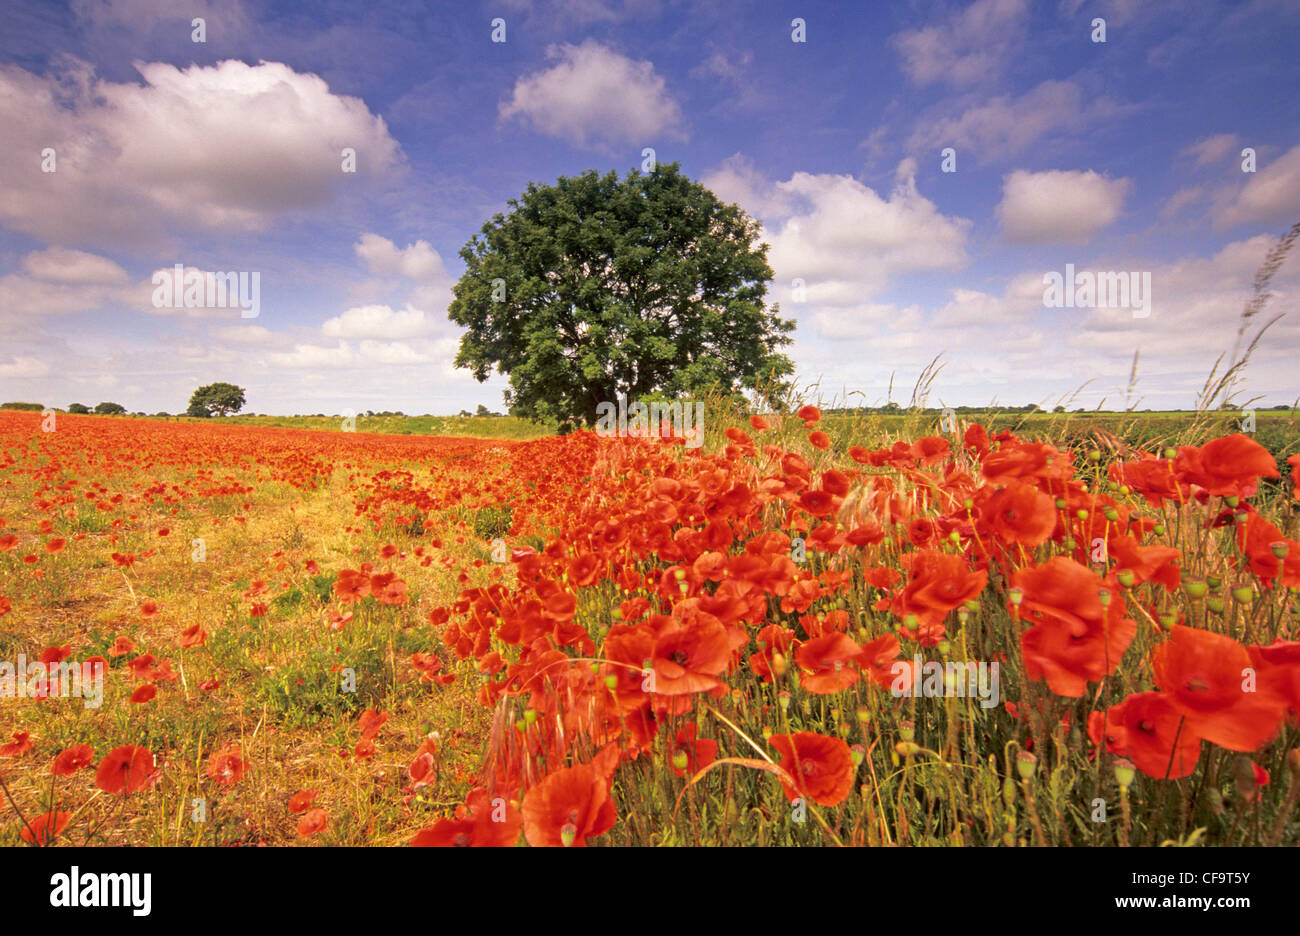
[277, 695]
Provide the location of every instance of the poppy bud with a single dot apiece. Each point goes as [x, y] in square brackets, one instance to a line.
[1125, 773]
[784, 699]
[1213, 581]
[907, 748]
[1060, 503]
[530, 715]
[1008, 792]
[779, 665]
[1158, 529]
[1016, 594]
[680, 760]
[1195, 589]
[1026, 763]
[910, 620]
[1243, 777]
[1279, 549]
[1111, 514]
[1103, 595]
[1081, 514]
[1215, 604]
[1243, 594]
[679, 574]
[972, 604]
[1094, 455]
[521, 725]
[1231, 500]
[1125, 577]
[611, 682]
[1070, 544]
[568, 833]
[1167, 619]
[907, 731]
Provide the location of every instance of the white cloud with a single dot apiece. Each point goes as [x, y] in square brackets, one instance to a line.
[840, 237]
[378, 321]
[1059, 207]
[224, 147]
[417, 261]
[1212, 149]
[24, 367]
[1271, 194]
[342, 356]
[968, 47]
[60, 265]
[593, 96]
[1004, 125]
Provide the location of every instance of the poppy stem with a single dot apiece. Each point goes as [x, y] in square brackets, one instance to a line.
[36, 839]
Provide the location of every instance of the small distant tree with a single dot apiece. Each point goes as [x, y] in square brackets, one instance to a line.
[79, 408]
[218, 399]
[110, 409]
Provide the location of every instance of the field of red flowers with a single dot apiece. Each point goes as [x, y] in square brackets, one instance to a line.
[786, 637]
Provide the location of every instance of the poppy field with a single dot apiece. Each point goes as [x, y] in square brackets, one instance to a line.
[801, 633]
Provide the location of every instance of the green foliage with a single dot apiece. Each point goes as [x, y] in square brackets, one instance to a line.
[78, 408]
[217, 399]
[595, 287]
[491, 522]
[110, 409]
[31, 407]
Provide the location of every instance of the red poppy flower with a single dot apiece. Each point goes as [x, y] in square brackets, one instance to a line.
[695, 753]
[819, 440]
[480, 823]
[301, 801]
[21, 744]
[809, 414]
[149, 609]
[121, 647]
[1017, 514]
[938, 583]
[8, 542]
[352, 585]
[371, 721]
[73, 759]
[44, 828]
[568, 807]
[820, 766]
[1074, 638]
[145, 693]
[126, 769]
[1148, 730]
[759, 423]
[689, 657]
[824, 661]
[56, 545]
[313, 822]
[1210, 679]
[227, 766]
[194, 636]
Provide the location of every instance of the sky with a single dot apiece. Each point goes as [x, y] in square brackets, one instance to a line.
[1170, 151]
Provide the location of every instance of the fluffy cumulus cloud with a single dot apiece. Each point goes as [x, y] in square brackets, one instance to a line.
[593, 96]
[378, 321]
[845, 241]
[967, 47]
[226, 147]
[1059, 207]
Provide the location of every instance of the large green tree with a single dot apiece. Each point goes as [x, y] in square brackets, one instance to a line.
[598, 286]
[217, 399]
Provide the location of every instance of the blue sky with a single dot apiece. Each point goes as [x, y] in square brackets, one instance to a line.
[1122, 156]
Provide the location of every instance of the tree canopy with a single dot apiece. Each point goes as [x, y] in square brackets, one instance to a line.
[595, 287]
[217, 399]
